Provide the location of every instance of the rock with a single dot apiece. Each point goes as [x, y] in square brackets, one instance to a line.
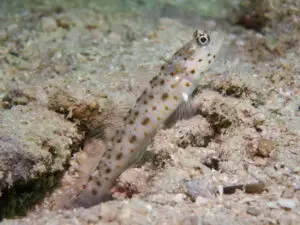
[33, 142]
[195, 131]
[48, 24]
[14, 164]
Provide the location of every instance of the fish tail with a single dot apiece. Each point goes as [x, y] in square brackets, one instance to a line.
[86, 161]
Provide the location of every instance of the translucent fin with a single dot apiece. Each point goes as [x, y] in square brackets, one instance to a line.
[185, 110]
[92, 153]
[87, 161]
[111, 120]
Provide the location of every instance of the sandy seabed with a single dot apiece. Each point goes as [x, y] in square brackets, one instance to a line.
[234, 161]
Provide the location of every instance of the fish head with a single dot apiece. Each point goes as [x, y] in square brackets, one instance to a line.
[197, 56]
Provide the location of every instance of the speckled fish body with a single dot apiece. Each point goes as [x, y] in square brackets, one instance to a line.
[174, 84]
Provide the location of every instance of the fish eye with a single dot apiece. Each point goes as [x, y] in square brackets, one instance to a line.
[202, 38]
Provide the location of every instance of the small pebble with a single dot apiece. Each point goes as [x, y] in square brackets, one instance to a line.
[48, 24]
[64, 23]
[90, 217]
[273, 205]
[297, 185]
[254, 188]
[115, 38]
[265, 147]
[196, 188]
[253, 211]
[61, 68]
[287, 203]
[3, 34]
[179, 198]
[108, 212]
[259, 119]
[190, 220]
[12, 28]
[201, 200]
[166, 21]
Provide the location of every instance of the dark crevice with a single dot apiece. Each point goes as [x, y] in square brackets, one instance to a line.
[17, 200]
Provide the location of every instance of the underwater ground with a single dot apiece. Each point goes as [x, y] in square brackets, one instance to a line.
[65, 64]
